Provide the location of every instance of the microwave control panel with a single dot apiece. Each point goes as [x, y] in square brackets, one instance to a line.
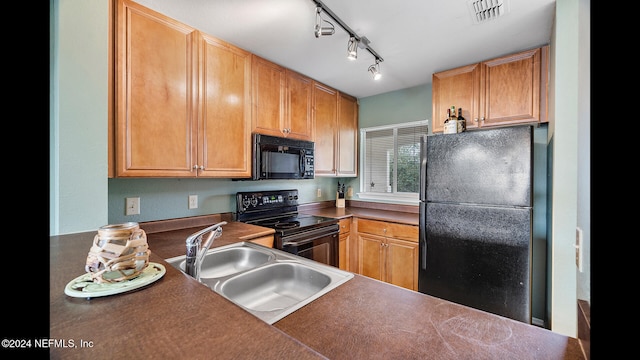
[308, 164]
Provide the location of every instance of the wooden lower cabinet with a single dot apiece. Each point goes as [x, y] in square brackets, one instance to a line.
[344, 244]
[264, 241]
[388, 252]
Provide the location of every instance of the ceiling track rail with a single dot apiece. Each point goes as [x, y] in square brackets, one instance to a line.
[363, 41]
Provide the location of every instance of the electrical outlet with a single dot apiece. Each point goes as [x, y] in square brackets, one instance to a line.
[193, 201]
[349, 191]
[319, 192]
[579, 248]
[132, 206]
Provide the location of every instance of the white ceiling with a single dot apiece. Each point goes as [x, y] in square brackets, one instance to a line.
[415, 38]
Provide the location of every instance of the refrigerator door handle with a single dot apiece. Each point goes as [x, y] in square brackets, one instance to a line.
[423, 168]
[423, 198]
[422, 236]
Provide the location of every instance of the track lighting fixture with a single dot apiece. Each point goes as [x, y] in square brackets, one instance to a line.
[355, 41]
[323, 30]
[352, 49]
[375, 70]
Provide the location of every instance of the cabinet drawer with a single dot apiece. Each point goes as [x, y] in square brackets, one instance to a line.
[388, 229]
[345, 225]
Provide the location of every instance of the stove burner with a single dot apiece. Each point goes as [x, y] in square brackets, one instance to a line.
[286, 225]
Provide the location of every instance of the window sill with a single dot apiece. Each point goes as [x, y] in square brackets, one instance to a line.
[390, 198]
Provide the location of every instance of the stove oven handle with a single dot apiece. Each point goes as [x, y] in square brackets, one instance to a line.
[308, 240]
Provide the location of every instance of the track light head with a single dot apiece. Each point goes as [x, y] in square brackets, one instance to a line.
[320, 30]
[375, 70]
[352, 49]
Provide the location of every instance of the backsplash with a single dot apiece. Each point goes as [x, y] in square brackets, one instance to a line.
[162, 199]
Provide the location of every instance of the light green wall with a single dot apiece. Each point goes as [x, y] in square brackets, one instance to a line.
[406, 105]
[564, 99]
[78, 118]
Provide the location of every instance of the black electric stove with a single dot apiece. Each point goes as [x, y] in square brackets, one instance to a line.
[314, 237]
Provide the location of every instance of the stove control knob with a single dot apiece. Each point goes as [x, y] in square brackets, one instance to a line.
[245, 202]
[254, 201]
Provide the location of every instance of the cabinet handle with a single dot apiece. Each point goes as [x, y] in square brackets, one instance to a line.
[195, 167]
[201, 167]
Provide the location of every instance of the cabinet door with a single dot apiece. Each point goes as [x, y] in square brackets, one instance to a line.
[344, 245]
[459, 87]
[155, 79]
[371, 256]
[347, 156]
[268, 96]
[343, 251]
[402, 263]
[511, 89]
[325, 104]
[224, 134]
[299, 124]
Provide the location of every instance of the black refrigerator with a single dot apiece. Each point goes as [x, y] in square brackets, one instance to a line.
[476, 219]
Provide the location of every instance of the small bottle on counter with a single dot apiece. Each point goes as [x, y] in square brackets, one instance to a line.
[453, 113]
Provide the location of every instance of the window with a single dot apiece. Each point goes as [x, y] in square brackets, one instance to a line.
[391, 161]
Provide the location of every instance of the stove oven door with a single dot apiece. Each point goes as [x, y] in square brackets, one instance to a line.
[320, 244]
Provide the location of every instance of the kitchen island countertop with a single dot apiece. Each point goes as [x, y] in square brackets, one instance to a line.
[177, 317]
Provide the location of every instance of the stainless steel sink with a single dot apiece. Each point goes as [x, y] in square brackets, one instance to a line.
[223, 262]
[268, 283]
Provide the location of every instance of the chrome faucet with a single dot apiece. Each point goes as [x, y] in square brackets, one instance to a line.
[196, 251]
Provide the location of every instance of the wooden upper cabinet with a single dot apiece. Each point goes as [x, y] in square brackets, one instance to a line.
[155, 83]
[269, 97]
[347, 129]
[181, 97]
[299, 120]
[459, 87]
[224, 126]
[282, 101]
[512, 89]
[325, 106]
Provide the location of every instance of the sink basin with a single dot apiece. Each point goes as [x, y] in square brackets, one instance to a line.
[224, 262]
[268, 283]
[274, 287]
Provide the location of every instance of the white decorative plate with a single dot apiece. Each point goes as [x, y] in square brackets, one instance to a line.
[84, 287]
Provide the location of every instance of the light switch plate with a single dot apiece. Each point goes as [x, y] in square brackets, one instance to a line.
[193, 201]
[132, 206]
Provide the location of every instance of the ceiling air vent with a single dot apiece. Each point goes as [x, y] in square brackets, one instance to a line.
[485, 10]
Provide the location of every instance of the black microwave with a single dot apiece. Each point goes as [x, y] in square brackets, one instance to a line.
[282, 158]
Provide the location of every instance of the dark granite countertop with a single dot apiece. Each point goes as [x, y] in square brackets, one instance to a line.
[177, 317]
